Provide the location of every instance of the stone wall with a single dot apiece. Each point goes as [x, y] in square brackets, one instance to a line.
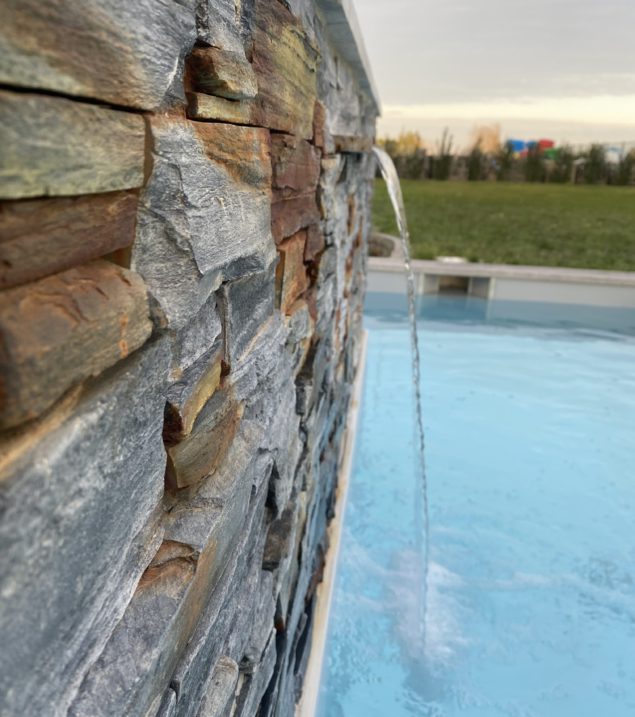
[185, 207]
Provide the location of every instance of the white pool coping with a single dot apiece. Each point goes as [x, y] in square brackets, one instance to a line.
[307, 706]
[511, 283]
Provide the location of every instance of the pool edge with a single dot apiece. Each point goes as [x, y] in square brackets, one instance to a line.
[589, 287]
[307, 706]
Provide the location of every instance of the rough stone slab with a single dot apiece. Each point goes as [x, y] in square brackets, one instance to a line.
[262, 623]
[120, 52]
[353, 144]
[225, 73]
[166, 607]
[218, 24]
[282, 424]
[198, 336]
[257, 683]
[62, 329]
[40, 237]
[299, 323]
[220, 696]
[279, 539]
[295, 164]
[283, 58]
[290, 215]
[188, 396]
[77, 531]
[191, 676]
[253, 375]
[204, 449]
[334, 195]
[206, 209]
[300, 327]
[243, 640]
[285, 62]
[109, 687]
[167, 707]
[291, 272]
[53, 146]
[247, 304]
[315, 243]
[321, 135]
[209, 107]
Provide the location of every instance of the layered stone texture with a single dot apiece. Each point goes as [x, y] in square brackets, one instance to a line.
[184, 211]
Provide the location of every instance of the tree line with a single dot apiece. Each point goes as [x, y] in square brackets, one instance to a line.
[490, 159]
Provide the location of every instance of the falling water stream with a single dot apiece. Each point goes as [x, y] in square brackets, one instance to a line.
[389, 173]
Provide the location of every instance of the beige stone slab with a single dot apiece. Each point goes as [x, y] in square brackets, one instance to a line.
[54, 146]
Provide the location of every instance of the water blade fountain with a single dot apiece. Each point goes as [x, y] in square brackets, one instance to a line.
[389, 173]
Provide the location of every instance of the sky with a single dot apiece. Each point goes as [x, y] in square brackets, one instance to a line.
[557, 69]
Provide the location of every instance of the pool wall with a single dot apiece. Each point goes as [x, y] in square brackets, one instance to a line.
[498, 282]
[185, 209]
[324, 593]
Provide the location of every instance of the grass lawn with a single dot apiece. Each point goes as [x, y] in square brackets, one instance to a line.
[536, 224]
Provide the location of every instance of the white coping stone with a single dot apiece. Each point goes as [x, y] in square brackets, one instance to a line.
[346, 35]
[307, 707]
[517, 283]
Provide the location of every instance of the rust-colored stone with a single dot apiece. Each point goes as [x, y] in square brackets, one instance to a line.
[315, 242]
[295, 164]
[40, 237]
[172, 561]
[209, 107]
[290, 215]
[291, 275]
[187, 398]
[244, 151]
[285, 63]
[221, 72]
[204, 449]
[60, 330]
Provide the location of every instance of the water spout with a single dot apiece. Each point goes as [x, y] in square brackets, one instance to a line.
[422, 523]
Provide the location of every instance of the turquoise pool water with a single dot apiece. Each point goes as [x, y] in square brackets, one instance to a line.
[530, 428]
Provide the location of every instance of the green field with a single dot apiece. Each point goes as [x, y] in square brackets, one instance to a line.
[535, 224]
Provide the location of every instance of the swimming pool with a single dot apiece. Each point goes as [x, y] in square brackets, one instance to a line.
[530, 446]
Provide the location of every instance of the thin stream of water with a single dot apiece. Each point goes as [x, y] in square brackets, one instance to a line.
[422, 522]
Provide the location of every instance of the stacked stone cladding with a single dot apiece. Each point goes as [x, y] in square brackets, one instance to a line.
[185, 196]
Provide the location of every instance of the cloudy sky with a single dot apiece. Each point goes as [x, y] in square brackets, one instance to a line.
[561, 69]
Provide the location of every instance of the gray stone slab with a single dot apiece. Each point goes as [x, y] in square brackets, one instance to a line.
[215, 634]
[206, 209]
[77, 502]
[220, 695]
[256, 683]
[124, 53]
[247, 304]
[52, 146]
